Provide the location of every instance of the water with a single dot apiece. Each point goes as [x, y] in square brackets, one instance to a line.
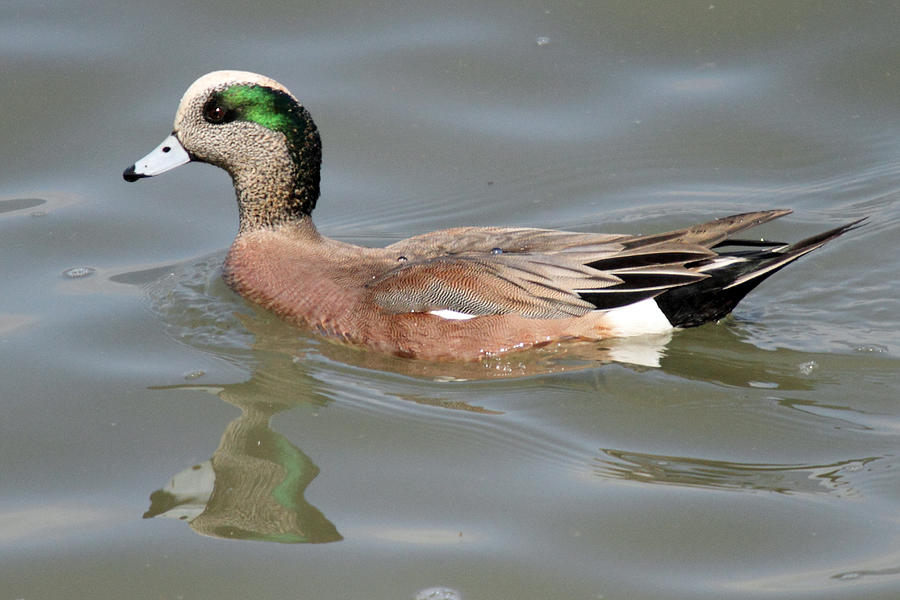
[757, 459]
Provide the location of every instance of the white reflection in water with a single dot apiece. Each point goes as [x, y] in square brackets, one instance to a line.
[47, 522]
[424, 536]
[707, 79]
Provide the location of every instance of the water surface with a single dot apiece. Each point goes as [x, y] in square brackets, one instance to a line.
[163, 439]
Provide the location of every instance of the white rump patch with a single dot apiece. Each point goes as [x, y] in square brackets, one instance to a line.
[451, 315]
[637, 319]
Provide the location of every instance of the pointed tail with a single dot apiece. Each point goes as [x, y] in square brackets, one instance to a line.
[733, 274]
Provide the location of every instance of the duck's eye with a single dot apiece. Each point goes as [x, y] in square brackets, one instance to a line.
[213, 112]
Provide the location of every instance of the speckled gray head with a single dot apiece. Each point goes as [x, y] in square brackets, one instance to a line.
[254, 128]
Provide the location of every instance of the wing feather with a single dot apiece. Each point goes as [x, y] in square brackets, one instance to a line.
[546, 274]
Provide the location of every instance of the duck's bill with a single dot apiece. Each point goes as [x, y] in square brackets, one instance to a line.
[165, 157]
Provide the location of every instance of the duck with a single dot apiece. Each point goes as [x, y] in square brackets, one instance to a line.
[458, 294]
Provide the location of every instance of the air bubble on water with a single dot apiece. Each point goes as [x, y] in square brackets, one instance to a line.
[874, 348]
[438, 593]
[79, 272]
[542, 40]
[766, 385]
[808, 367]
[447, 379]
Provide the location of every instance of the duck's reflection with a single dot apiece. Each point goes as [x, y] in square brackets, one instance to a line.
[253, 486]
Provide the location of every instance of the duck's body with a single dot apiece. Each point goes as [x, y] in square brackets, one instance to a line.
[338, 300]
[456, 294]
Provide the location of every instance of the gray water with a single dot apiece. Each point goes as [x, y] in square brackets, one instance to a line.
[163, 439]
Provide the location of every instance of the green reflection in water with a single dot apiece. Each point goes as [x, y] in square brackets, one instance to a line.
[253, 486]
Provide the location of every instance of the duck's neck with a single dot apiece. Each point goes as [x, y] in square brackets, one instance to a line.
[273, 199]
[280, 187]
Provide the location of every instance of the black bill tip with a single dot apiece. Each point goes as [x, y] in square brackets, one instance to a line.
[129, 175]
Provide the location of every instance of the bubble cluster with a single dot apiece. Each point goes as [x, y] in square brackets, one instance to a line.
[438, 593]
[79, 272]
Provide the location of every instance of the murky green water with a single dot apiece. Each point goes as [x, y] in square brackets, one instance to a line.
[759, 459]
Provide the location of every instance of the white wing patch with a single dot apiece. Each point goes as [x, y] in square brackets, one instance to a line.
[638, 318]
[722, 261]
[451, 315]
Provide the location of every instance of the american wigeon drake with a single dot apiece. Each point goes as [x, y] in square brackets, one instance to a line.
[456, 294]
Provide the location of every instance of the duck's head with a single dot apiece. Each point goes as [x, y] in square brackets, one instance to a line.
[254, 128]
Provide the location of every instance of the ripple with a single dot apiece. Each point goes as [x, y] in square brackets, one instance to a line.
[856, 575]
[18, 204]
[682, 471]
[198, 309]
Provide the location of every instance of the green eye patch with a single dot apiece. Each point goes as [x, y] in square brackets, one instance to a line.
[270, 108]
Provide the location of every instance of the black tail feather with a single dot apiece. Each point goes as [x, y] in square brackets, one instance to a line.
[816, 241]
[713, 298]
